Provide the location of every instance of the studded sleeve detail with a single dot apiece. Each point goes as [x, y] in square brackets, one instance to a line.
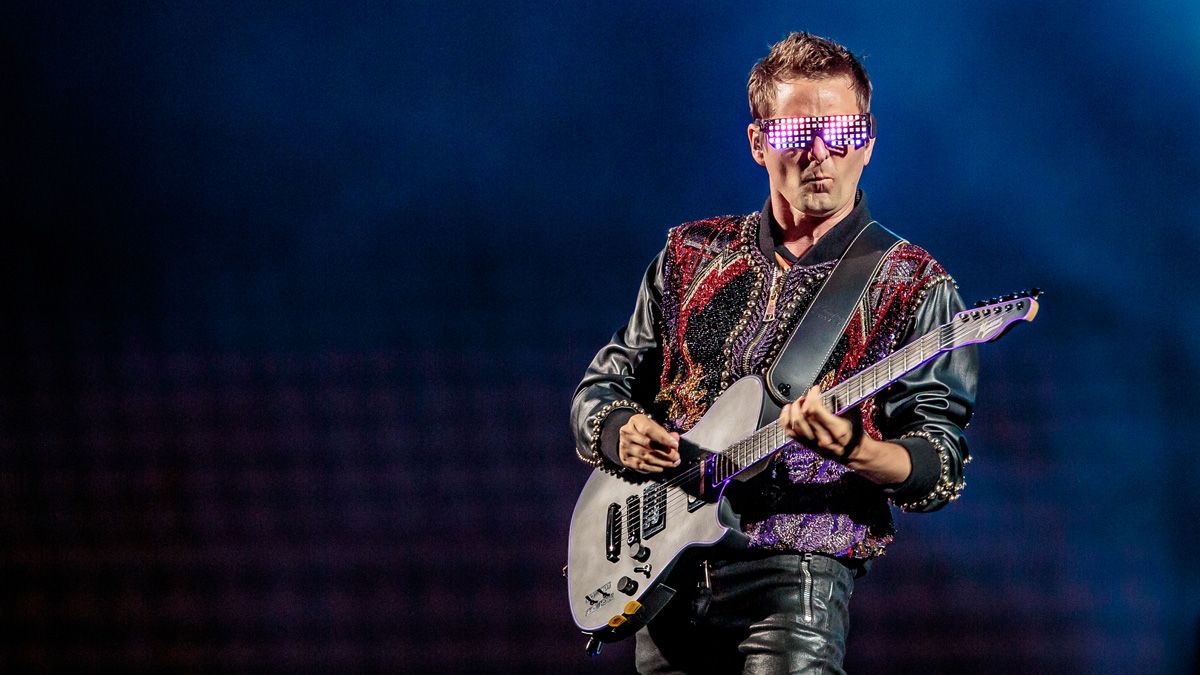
[929, 283]
[949, 484]
[596, 424]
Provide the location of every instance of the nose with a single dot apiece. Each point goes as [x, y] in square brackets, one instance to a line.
[820, 151]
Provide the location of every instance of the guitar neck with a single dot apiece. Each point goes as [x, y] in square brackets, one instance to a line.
[764, 442]
[879, 375]
[984, 323]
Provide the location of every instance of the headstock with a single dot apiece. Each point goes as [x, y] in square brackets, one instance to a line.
[990, 319]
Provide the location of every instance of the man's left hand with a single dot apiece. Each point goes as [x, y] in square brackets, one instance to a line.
[810, 422]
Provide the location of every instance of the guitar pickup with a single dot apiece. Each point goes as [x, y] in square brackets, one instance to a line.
[612, 533]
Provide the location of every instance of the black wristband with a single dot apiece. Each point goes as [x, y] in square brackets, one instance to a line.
[856, 434]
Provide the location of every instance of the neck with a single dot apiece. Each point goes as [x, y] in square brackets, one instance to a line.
[800, 230]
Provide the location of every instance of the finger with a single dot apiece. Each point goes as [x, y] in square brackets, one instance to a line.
[656, 432]
[628, 457]
[812, 399]
[632, 451]
[664, 444]
[801, 425]
[638, 448]
[658, 459]
[668, 455]
[645, 467]
[819, 411]
[668, 446]
[821, 433]
[632, 444]
[804, 431]
[787, 420]
[633, 439]
[638, 463]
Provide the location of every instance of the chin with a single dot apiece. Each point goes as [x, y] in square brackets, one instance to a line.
[817, 204]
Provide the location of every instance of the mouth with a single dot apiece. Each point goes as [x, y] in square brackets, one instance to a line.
[816, 179]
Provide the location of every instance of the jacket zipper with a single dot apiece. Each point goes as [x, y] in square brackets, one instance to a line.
[777, 276]
[807, 587]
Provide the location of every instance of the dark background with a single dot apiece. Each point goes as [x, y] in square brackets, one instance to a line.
[295, 298]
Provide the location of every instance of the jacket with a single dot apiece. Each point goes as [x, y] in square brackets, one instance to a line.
[713, 307]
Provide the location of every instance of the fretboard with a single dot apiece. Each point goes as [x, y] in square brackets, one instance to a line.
[764, 442]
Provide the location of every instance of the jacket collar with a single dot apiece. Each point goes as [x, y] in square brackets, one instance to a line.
[829, 247]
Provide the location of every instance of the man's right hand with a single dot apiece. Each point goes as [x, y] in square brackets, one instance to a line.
[648, 447]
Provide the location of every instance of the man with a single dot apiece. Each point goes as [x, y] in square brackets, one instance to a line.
[717, 304]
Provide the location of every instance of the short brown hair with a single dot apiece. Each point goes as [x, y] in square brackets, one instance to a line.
[802, 55]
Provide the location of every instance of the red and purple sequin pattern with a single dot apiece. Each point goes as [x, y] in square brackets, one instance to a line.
[718, 327]
[709, 278]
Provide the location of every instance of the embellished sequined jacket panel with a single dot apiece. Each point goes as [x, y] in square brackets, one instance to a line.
[713, 308]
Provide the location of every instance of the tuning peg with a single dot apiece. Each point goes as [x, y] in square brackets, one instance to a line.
[980, 303]
[1036, 292]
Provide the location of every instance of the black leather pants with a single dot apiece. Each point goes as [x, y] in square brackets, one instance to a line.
[776, 613]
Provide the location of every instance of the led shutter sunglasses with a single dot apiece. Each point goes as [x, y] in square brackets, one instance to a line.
[836, 131]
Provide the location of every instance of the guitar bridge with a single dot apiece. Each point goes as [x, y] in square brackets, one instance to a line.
[654, 510]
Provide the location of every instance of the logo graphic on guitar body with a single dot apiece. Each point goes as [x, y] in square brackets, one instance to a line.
[606, 596]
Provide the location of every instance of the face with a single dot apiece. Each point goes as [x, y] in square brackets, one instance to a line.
[818, 182]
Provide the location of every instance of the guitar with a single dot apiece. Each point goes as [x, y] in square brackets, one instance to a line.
[628, 529]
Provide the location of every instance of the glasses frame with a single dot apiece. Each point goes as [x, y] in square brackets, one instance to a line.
[799, 132]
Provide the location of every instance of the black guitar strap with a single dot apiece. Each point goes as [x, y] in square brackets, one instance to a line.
[812, 342]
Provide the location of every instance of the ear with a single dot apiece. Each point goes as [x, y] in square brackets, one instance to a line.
[758, 144]
[867, 155]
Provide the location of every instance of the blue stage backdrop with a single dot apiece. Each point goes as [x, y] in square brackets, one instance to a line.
[296, 297]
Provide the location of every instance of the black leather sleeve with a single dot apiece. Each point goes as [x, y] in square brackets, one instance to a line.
[926, 410]
[627, 369]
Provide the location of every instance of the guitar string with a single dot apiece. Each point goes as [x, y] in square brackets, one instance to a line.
[675, 499]
[771, 429]
[753, 443]
[678, 497]
[920, 345]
